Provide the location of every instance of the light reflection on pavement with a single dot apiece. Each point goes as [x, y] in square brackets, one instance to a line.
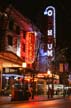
[60, 103]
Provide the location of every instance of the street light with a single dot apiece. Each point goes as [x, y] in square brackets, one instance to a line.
[48, 74]
[25, 87]
[24, 65]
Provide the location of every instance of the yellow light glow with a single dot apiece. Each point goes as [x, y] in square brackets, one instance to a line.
[49, 72]
[24, 65]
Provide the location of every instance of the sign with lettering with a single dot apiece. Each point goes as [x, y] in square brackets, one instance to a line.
[30, 47]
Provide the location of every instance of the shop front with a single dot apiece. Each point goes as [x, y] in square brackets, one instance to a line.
[9, 63]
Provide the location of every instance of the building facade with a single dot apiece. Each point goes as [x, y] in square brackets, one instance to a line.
[19, 39]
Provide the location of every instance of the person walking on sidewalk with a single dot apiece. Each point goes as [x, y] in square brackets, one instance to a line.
[64, 93]
[50, 93]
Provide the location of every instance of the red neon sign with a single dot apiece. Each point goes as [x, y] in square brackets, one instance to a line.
[30, 47]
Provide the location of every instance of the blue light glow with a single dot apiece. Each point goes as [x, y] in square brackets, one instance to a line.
[42, 53]
[10, 75]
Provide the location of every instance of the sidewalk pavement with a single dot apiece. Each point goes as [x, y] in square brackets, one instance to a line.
[7, 99]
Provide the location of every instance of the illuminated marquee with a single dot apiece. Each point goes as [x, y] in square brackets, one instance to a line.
[50, 12]
[30, 47]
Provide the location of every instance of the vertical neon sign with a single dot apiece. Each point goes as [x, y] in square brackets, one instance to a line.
[51, 30]
[30, 47]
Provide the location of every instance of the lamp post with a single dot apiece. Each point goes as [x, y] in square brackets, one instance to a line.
[48, 74]
[24, 65]
[0, 80]
[52, 82]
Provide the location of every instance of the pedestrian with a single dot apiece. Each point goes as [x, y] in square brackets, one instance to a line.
[50, 93]
[64, 93]
[30, 91]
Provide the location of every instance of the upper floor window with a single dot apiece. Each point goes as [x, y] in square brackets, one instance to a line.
[18, 30]
[11, 24]
[24, 34]
[10, 40]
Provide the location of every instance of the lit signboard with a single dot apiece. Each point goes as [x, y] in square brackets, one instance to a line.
[30, 47]
[50, 12]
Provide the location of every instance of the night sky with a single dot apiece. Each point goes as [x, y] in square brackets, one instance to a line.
[34, 9]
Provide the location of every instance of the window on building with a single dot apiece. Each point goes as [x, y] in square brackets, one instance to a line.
[24, 34]
[10, 40]
[11, 24]
[18, 30]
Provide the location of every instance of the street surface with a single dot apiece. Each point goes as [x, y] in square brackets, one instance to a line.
[60, 103]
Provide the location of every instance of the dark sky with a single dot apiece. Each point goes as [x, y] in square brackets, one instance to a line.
[33, 9]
